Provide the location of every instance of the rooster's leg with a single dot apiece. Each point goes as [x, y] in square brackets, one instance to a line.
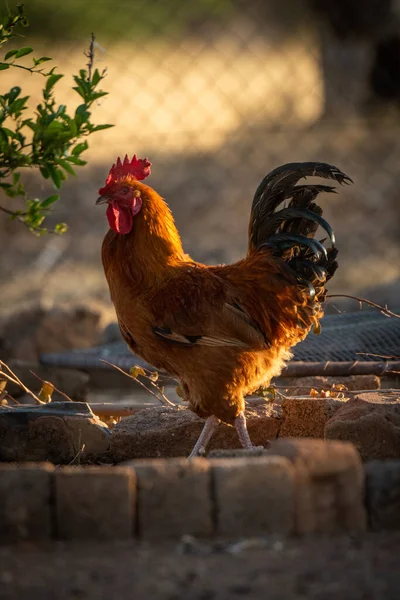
[208, 430]
[243, 434]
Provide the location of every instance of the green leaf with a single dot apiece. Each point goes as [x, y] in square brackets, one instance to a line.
[56, 175]
[97, 95]
[61, 110]
[45, 172]
[76, 161]
[79, 148]
[51, 82]
[45, 203]
[67, 167]
[73, 128]
[10, 133]
[60, 228]
[82, 111]
[96, 77]
[29, 123]
[4, 66]
[23, 51]
[18, 105]
[39, 61]
[10, 54]
[3, 135]
[13, 94]
[100, 127]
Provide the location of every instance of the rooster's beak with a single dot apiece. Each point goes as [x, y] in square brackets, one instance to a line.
[102, 200]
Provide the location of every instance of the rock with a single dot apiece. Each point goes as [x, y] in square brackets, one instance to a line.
[165, 431]
[28, 334]
[70, 381]
[307, 416]
[301, 386]
[371, 422]
[111, 334]
[58, 432]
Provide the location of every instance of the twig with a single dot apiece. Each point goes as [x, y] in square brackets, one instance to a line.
[379, 355]
[163, 396]
[56, 389]
[14, 379]
[383, 310]
[7, 211]
[90, 56]
[20, 219]
[30, 69]
[78, 454]
[8, 397]
[109, 409]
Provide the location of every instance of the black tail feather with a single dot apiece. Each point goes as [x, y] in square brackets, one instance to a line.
[289, 232]
[287, 215]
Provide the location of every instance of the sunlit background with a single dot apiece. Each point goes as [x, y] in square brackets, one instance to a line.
[217, 93]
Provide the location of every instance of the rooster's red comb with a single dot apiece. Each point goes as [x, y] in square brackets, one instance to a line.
[137, 167]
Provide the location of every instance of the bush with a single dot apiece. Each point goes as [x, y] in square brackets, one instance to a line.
[51, 141]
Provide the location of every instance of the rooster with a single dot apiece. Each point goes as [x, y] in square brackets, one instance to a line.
[221, 330]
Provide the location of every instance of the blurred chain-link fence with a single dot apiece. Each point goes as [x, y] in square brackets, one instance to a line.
[216, 93]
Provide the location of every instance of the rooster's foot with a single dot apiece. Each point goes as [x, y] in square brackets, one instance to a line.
[208, 430]
[243, 434]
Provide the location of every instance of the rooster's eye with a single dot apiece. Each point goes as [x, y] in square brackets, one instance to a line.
[124, 190]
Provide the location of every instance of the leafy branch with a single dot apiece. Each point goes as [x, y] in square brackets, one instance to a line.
[52, 140]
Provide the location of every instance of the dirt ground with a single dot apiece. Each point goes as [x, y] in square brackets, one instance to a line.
[343, 568]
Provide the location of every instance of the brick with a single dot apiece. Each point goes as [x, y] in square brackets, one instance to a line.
[94, 503]
[253, 496]
[25, 502]
[383, 494]
[307, 416]
[329, 484]
[174, 498]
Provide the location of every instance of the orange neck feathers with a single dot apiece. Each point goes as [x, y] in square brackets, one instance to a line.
[152, 245]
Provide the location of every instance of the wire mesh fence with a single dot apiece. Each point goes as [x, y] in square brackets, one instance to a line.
[216, 93]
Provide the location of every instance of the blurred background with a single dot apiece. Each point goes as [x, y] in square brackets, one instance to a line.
[217, 93]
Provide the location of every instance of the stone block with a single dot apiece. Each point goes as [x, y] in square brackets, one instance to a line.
[383, 494]
[174, 498]
[94, 503]
[329, 483]
[25, 502]
[307, 416]
[253, 496]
